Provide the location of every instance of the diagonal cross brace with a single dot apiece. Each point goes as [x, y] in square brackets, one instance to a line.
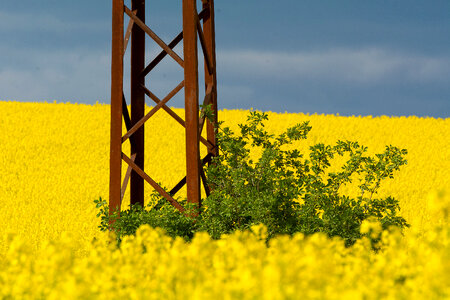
[152, 112]
[209, 65]
[128, 33]
[205, 160]
[153, 35]
[126, 179]
[194, 32]
[152, 183]
[171, 45]
[175, 116]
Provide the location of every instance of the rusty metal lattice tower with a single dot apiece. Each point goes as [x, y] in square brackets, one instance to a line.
[196, 26]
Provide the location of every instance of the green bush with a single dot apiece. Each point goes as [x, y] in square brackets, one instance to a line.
[281, 189]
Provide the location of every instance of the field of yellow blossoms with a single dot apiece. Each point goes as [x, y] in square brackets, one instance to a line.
[54, 161]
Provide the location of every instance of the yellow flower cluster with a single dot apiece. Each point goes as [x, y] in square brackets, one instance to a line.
[239, 266]
[55, 161]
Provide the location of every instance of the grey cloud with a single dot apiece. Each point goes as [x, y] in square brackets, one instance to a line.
[14, 22]
[365, 66]
[76, 76]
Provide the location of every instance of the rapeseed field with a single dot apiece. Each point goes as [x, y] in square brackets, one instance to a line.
[54, 161]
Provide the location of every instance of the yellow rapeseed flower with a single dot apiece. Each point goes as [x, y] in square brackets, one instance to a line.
[55, 161]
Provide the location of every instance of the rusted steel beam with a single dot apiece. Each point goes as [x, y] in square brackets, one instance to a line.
[116, 106]
[152, 112]
[156, 186]
[191, 101]
[154, 36]
[204, 181]
[205, 160]
[165, 107]
[161, 55]
[171, 45]
[203, 13]
[137, 101]
[128, 33]
[192, 31]
[208, 62]
[178, 186]
[211, 79]
[126, 115]
[126, 179]
[174, 115]
[206, 101]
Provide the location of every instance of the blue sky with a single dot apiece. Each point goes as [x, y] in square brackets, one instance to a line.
[352, 57]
